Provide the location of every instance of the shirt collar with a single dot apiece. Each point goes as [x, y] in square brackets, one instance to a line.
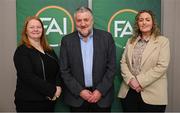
[141, 39]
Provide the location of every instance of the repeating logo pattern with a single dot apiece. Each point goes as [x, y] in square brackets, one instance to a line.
[57, 23]
[120, 25]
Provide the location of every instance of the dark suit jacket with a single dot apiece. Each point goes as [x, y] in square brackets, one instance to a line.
[103, 67]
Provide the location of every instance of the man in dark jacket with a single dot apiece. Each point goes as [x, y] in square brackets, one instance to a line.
[87, 62]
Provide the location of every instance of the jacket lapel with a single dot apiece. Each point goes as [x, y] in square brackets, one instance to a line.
[130, 52]
[77, 48]
[95, 45]
[150, 47]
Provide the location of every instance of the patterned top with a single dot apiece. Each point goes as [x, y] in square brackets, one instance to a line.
[137, 55]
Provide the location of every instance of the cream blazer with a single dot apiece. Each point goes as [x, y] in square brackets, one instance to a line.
[152, 78]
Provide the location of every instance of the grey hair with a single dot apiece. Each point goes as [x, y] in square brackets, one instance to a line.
[83, 9]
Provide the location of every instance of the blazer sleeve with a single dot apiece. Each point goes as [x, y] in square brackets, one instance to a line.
[108, 78]
[160, 69]
[125, 65]
[71, 83]
[26, 74]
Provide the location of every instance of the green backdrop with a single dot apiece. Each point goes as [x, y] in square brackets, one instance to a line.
[115, 16]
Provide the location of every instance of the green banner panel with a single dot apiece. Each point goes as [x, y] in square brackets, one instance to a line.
[117, 17]
[57, 17]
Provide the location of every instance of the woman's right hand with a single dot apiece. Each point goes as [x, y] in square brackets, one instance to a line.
[134, 84]
[58, 91]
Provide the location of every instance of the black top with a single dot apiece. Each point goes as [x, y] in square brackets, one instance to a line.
[37, 74]
[50, 66]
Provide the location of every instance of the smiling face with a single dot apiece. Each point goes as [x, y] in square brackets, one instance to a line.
[145, 23]
[84, 23]
[34, 30]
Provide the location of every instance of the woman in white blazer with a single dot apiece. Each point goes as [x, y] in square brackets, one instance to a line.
[143, 67]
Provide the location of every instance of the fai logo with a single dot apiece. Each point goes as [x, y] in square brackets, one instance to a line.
[57, 23]
[120, 25]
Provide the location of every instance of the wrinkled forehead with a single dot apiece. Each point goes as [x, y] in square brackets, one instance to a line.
[85, 14]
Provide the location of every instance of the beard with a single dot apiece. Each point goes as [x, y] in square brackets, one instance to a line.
[85, 32]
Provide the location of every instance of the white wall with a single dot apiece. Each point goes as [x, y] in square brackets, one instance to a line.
[170, 21]
[171, 11]
[7, 47]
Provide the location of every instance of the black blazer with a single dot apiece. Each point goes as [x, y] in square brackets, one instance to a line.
[72, 71]
[31, 85]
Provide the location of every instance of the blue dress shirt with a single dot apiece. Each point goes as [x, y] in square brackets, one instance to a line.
[87, 57]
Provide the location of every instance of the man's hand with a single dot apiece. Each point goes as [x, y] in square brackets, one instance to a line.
[85, 94]
[96, 96]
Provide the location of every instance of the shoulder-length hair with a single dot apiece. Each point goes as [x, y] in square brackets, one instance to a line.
[155, 29]
[24, 37]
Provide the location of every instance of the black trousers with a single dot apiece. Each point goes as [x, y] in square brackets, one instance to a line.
[134, 103]
[89, 107]
[34, 106]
